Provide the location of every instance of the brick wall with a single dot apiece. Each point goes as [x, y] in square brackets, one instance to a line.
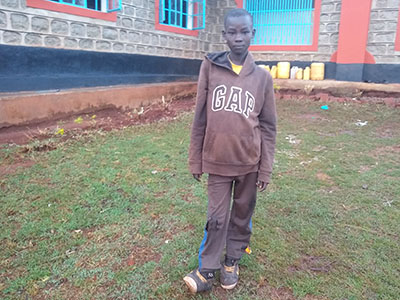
[328, 30]
[217, 18]
[382, 31]
[327, 45]
[132, 33]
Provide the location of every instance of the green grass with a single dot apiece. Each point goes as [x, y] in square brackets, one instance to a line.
[117, 215]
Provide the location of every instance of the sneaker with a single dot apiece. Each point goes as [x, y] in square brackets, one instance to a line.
[229, 276]
[197, 282]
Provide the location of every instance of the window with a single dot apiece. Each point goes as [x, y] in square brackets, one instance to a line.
[175, 13]
[98, 5]
[284, 24]
[180, 15]
[96, 9]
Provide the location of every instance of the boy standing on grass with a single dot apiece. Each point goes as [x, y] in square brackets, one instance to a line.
[233, 139]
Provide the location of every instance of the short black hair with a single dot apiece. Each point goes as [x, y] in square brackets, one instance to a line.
[238, 12]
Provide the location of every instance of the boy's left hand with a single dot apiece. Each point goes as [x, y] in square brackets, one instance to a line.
[261, 185]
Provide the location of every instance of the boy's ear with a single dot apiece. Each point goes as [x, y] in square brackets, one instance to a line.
[224, 34]
[253, 33]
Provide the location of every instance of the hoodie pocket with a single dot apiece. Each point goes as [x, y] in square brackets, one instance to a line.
[233, 149]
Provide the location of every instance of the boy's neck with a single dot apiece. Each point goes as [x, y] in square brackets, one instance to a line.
[237, 59]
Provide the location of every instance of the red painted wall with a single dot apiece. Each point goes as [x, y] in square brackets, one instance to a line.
[353, 32]
[397, 42]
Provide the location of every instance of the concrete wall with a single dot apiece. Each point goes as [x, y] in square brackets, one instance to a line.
[382, 31]
[133, 32]
[328, 30]
[327, 44]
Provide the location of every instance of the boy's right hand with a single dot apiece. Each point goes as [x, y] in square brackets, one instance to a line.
[197, 177]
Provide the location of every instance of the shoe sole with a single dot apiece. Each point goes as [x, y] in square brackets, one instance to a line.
[228, 287]
[191, 284]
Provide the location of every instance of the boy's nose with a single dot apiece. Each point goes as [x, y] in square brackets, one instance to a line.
[238, 37]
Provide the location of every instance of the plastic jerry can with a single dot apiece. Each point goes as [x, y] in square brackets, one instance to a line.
[306, 73]
[273, 72]
[299, 73]
[293, 71]
[283, 70]
[317, 71]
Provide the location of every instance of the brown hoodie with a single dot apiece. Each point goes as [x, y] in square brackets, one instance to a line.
[234, 126]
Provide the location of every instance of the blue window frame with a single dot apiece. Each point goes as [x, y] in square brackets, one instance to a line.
[98, 5]
[282, 22]
[186, 14]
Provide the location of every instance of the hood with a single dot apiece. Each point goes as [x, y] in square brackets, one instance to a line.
[221, 59]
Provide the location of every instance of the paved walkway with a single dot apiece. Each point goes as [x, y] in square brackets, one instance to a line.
[340, 88]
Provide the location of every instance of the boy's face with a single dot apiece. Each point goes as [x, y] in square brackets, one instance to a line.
[238, 34]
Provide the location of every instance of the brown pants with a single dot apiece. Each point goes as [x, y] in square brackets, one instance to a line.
[225, 226]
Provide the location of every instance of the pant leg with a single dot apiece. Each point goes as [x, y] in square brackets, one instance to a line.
[244, 202]
[219, 198]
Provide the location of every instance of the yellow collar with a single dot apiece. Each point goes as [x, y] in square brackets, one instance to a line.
[235, 68]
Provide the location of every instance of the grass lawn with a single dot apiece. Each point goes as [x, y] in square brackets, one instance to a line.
[116, 215]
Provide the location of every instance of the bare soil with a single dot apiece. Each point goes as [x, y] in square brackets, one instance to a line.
[114, 118]
[106, 119]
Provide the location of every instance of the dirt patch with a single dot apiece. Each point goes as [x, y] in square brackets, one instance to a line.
[325, 178]
[345, 97]
[9, 169]
[315, 264]
[381, 151]
[141, 255]
[385, 133]
[388, 130]
[113, 118]
[266, 291]
[310, 117]
[220, 293]
[64, 288]
[106, 119]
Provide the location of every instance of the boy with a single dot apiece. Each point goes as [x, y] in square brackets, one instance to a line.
[233, 139]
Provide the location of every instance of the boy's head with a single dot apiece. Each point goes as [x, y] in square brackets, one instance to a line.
[238, 30]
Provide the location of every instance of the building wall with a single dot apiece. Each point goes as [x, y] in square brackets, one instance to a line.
[42, 45]
[327, 43]
[382, 31]
[133, 32]
[46, 50]
[328, 29]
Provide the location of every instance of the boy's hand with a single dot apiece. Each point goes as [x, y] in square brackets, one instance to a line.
[197, 177]
[261, 185]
